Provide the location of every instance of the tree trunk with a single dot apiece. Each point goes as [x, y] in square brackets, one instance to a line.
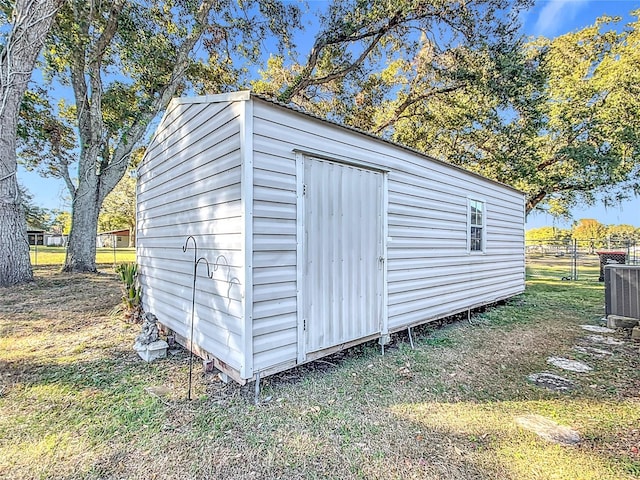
[81, 250]
[132, 236]
[15, 264]
[31, 23]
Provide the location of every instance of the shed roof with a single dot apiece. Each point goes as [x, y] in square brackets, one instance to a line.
[115, 232]
[245, 95]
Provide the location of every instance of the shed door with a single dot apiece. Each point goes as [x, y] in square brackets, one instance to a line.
[343, 276]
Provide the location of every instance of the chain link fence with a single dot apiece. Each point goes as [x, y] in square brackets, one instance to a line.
[580, 259]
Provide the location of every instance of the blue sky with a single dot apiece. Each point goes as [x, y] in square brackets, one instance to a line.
[548, 18]
[551, 18]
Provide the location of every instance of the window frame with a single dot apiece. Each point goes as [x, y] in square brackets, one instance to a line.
[473, 201]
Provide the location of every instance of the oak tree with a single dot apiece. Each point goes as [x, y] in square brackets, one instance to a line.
[29, 22]
[124, 62]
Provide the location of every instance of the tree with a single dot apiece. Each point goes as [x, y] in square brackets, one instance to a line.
[554, 118]
[36, 217]
[591, 231]
[30, 22]
[119, 208]
[589, 142]
[566, 134]
[548, 235]
[621, 232]
[124, 62]
[373, 60]
[60, 222]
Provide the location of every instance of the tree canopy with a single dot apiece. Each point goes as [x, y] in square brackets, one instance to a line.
[124, 61]
[23, 28]
[555, 118]
[584, 230]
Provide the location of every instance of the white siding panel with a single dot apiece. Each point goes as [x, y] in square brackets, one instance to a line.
[170, 251]
[266, 292]
[275, 356]
[226, 291]
[189, 184]
[222, 203]
[195, 181]
[274, 210]
[272, 308]
[281, 181]
[299, 131]
[274, 323]
[171, 165]
[265, 276]
[176, 115]
[220, 273]
[274, 244]
[269, 259]
[433, 310]
[222, 346]
[430, 271]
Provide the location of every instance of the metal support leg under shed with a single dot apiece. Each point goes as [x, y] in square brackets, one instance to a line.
[256, 392]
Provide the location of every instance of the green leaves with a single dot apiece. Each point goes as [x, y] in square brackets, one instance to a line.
[556, 119]
[131, 291]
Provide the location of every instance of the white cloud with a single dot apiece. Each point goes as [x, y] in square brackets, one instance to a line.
[556, 14]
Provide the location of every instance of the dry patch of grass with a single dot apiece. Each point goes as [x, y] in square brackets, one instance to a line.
[76, 402]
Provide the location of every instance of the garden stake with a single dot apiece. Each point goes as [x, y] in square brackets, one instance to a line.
[196, 261]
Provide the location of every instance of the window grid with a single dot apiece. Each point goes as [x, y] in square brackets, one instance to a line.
[476, 225]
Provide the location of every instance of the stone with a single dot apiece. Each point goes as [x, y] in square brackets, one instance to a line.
[152, 351]
[551, 381]
[635, 334]
[548, 429]
[605, 340]
[571, 365]
[617, 321]
[159, 391]
[592, 351]
[597, 329]
[149, 330]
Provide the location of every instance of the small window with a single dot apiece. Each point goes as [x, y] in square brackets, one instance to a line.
[476, 225]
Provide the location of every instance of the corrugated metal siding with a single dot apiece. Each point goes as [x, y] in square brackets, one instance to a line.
[430, 273]
[622, 290]
[189, 184]
[343, 247]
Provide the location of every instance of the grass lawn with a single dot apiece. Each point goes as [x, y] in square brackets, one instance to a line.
[55, 255]
[76, 402]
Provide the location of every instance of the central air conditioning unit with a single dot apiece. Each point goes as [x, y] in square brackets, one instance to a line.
[622, 290]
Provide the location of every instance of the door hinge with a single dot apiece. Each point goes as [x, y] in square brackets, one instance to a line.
[304, 324]
[304, 189]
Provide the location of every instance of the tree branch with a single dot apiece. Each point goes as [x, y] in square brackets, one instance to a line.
[305, 79]
[119, 159]
[409, 101]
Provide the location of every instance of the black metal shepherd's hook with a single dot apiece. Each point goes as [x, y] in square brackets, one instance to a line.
[196, 261]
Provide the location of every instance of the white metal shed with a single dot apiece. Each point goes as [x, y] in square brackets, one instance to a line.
[322, 236]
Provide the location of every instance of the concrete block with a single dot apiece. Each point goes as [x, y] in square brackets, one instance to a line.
[151, 351]
[616, 321]
[635, 334]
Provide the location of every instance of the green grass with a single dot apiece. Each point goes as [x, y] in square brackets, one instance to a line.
[41, 256]
[74, 398]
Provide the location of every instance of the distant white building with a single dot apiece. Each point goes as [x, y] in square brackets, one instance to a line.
[119, 238]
